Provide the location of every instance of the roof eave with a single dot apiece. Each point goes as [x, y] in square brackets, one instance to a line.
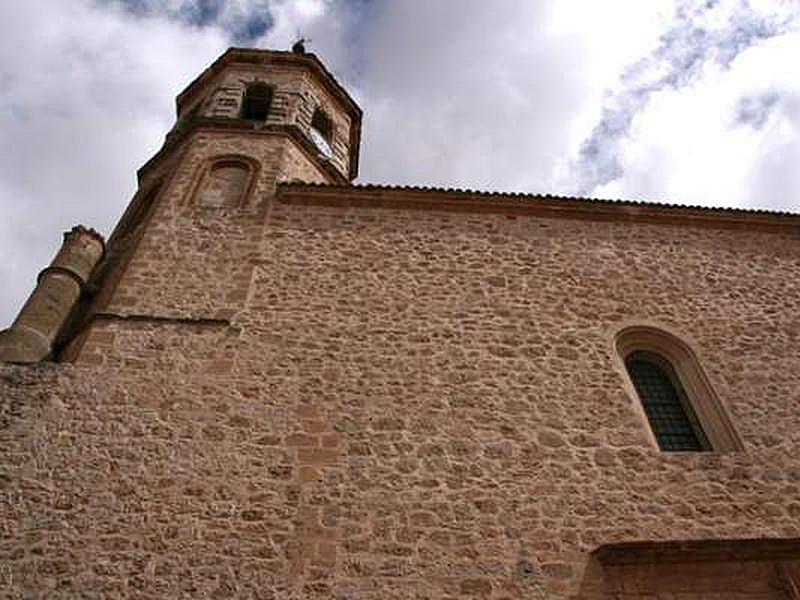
[458, 200]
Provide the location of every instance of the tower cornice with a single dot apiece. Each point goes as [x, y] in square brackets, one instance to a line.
[240, 126]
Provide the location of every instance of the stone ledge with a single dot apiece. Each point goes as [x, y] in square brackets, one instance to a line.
[628, 553]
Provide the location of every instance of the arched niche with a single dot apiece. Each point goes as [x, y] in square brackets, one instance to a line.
[226, 182]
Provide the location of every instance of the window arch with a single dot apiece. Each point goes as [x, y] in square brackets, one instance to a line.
[225, 183]
[681, 408]
[257, 101]
[322, 131]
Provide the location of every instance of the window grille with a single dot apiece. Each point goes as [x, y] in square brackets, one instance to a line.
[670, 415]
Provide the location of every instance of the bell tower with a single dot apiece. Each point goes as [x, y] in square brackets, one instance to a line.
[185, 248]
[286, 95]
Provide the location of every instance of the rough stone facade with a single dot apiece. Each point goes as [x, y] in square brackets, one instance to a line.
[367, 393]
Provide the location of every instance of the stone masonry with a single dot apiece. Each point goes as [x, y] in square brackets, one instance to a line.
[363, 393]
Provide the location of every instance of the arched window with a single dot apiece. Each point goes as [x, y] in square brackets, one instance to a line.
[681, 407]
[669, 412]
[256, 102]
[322, 131]
[224, 184]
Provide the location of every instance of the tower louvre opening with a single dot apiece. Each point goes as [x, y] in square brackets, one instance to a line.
[257, 101]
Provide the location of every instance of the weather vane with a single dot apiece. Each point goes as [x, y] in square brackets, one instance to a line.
[299, 47]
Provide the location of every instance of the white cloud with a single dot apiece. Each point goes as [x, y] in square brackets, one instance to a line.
[87, 97]
[481, 97]
[687, 146]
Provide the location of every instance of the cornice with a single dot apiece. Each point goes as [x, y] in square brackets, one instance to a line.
[242, 127]
[453, 200]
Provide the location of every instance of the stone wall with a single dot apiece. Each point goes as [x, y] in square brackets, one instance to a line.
[194, 260]
[334, 402]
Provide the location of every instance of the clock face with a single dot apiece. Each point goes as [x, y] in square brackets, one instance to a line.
[320, 142]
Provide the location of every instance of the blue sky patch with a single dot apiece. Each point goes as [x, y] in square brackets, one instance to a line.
[755, 110]
[200, 12]
[252, 28]
[243, 25]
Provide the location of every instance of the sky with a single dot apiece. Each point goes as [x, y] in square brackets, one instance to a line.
[686, 102]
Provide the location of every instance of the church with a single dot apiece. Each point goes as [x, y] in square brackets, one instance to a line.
[272, 383]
